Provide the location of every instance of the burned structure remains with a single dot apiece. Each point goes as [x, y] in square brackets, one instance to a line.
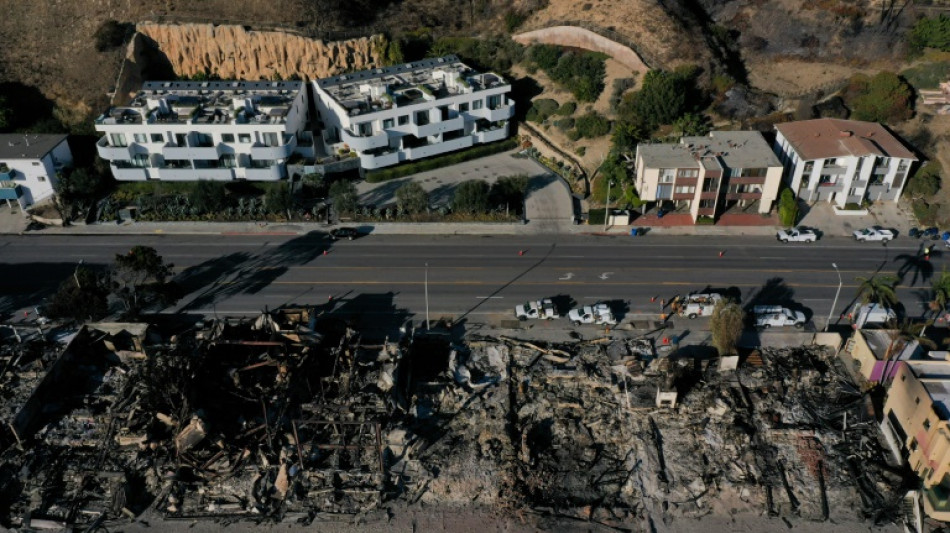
[290, 416]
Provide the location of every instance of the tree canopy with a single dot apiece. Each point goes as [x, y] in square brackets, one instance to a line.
[140, 278]
[886, 97]
[471, 197]
[411, 198]
[344, 196]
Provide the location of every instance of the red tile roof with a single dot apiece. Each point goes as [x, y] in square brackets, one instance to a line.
[832, 137]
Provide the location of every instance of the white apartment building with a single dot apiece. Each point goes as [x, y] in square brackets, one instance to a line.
[709, 174]
[215, 130]
[411, 111]
[29, 164]
[842, 161]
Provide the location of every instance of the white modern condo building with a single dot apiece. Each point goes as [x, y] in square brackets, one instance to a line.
[216, 130]
[410, 111]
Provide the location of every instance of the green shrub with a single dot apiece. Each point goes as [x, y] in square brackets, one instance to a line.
[927, 75]
[884, 98]
[852, 206]
[930, 32]
[596, 217]
[432, 163]
[508, 192]
[344, 196]
[573, 135]
[541, 109]
[209, 196]
[705, 221]
[925, 183]
[411, 198]
[545, 56]
[582, 73]
[471, 197]
[496, 52]
[514, 19]
[787, 208]
[564, 123]
[663, 98]
[926, 214]
[592, 125]
[580, 150]
[567, 109]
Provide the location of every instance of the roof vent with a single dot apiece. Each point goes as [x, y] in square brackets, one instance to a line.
[844, 133]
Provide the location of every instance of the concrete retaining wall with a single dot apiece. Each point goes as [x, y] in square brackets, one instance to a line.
[586, 39]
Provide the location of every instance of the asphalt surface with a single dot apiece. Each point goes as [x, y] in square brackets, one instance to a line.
[478, 279]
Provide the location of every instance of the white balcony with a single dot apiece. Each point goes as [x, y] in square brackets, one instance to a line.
[435, 128]
[439, 148]
[177, 174]
[217, 174]
[190, 152]
[488, 136]
[503, 112]
[111, 153]
[368, 142]
[270, 153]
[271, 173]
[129, 174]
[370, 162]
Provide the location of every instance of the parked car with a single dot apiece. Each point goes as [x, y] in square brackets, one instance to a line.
[697, 304]
[931, 233]
[538, 309]
[598, 313]
[344, 233]
[874, 234]
[861, 315]
[797, 235]
[767, 316]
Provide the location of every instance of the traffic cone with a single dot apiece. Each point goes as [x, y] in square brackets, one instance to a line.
[520, 252]
[325, 252]
[666, 341]
[721, 252]
[330, 298]
[652, 299]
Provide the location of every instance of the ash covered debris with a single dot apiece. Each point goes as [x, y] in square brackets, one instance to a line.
[290, 415]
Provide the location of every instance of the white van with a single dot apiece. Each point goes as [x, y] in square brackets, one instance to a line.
[876, 314]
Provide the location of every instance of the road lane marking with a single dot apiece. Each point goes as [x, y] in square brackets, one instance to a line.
[605, 275]
[567, 276]
[489, 297]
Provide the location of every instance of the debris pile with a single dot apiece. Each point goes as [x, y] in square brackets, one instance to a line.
[290, 415]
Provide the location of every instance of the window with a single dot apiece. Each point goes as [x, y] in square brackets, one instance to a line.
[140, 160]
[227, 137]
[927, 424]
[477, 104]
[494, 102]
[831, 161]
[666, 175]
[706, 204]
[158, 138]
[685, 190]
[227, 161]
[203, 139]
[244, 137]
[181, 139]
[916, 401]
[270, 139]
[403, 120]
[41, 178]
[463, 107]
[688, 173]
[388, 123]
[117, 139]
[36, 163]
[422, 118]
[913, 445]
[140, 137]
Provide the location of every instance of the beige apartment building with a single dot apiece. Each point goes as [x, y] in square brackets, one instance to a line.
[708, 175]
[915, 425]
[875, 353]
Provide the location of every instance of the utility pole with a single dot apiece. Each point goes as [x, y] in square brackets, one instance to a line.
[835, 303]
[427, 296]
[607, 207]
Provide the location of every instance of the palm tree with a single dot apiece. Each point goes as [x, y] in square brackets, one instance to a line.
[941, 291]
[878, 289]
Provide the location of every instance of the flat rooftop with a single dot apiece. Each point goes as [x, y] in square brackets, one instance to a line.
[216, 101]
[879, 341]
[407, 84]
[822, 138]
[734, 149]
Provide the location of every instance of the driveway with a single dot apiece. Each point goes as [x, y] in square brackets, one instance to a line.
[548, 205]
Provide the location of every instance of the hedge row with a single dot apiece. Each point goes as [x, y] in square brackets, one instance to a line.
[454, 158]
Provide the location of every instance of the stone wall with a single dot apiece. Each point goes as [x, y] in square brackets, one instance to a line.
[586, 39]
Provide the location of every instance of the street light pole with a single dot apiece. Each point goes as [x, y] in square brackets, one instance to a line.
[76, 274]
[835, 303]
[427, 296]
[607, 207]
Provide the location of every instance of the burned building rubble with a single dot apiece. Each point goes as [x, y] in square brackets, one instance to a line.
[290, 415]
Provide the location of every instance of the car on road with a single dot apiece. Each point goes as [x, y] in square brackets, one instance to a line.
[538, 309]
[344, 233]
[874, 234]
[797, 235]
[875, 314]
[931, 233]
[769, 316]
[598, 313]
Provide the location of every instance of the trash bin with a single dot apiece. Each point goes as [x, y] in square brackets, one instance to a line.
[660, 213]
[634, 232]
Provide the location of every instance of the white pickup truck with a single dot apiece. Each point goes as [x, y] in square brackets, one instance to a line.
[875, 314]
[540, 309]
[873, 234]
[769, 316]
[697, 304]
[796, 235]
[598, 313]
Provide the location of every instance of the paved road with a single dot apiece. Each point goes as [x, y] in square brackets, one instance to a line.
[479, 278]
